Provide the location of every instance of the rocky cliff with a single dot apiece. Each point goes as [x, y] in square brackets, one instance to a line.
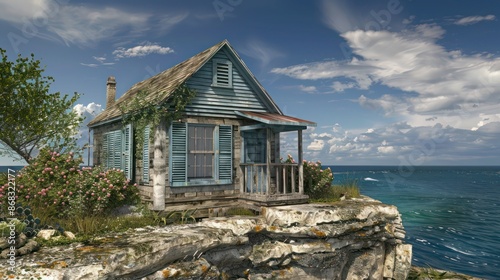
[354, 239]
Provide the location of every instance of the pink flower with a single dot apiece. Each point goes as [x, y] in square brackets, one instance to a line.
[92, 194]
[53, 159]
[51, 173]
[70, 193]
[56, 167]
[124, 187]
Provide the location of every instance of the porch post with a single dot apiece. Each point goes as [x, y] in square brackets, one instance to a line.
[300, 159]
[159, 165]
[268, 159]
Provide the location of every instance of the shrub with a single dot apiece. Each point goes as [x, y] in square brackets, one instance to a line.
[317, 181]
[55, 184]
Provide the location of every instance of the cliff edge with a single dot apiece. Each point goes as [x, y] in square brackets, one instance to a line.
[352, 239]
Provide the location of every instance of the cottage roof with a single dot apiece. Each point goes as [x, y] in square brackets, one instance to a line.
[167, 81]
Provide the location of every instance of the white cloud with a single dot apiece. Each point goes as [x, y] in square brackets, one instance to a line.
[435, 81]
[80, 24]
[21, 10]
[101, 62]
[141, 50]
[386, 150]
[403, 144]
[260, 51]
[474, 19]
[93, 65]
[308, 89]
[316, 145]
[339, 87]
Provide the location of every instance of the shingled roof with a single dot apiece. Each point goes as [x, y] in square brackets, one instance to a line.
[167, 81]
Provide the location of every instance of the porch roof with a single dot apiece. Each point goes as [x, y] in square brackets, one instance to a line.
[275, 119]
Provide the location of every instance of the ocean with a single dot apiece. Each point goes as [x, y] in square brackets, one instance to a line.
[451, 214]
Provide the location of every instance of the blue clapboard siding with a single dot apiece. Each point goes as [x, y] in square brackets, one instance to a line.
[219, 101]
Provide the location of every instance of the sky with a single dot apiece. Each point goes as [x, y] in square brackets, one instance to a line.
[388, 82]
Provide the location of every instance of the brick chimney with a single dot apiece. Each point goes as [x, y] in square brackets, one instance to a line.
[110, 92]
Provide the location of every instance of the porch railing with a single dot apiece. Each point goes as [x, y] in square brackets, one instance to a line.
[269, 179]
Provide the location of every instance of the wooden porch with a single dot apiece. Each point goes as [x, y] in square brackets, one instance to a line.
[272, 183]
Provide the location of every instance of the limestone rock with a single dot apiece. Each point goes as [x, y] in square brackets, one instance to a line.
[46, 233]
[69, 235]
[352, 239]
[198, 269]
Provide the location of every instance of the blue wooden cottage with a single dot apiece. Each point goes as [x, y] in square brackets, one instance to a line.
[225, 150]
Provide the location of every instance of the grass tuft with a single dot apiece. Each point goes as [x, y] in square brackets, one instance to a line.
[348, 189]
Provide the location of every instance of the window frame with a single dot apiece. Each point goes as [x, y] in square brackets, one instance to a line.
[216, 82]
[190, 151]
[178, 156]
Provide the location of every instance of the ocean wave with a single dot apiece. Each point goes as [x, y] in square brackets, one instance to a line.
[370, 179]
[459, 251]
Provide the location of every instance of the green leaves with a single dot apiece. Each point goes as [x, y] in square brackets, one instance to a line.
[146, 109]
[30, 116]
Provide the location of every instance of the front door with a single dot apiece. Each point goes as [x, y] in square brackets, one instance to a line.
[254, 152]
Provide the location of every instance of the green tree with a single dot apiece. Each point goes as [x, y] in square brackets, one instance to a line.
[30, 116]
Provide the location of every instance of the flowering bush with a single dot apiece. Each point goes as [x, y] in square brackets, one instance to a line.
[317, 181]
[55, 184]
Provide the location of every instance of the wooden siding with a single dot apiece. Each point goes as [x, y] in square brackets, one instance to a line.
[216, 101]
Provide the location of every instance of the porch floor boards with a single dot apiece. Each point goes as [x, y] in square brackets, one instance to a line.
[217, 205]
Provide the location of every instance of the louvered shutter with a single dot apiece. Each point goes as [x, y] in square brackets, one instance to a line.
[178, 158]
[115, 148]
[145, 156]
[223, 73]
[105, 150]
[225, 157]
[127, 151]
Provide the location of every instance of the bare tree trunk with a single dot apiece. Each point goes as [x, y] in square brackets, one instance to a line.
[159, 166]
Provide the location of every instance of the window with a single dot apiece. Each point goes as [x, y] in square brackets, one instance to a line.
[200, 154]
[116, 148]
[254, 146]
[222, 73]
[200, 151]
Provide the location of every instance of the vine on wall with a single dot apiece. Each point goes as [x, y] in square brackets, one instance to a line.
[146, 110]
